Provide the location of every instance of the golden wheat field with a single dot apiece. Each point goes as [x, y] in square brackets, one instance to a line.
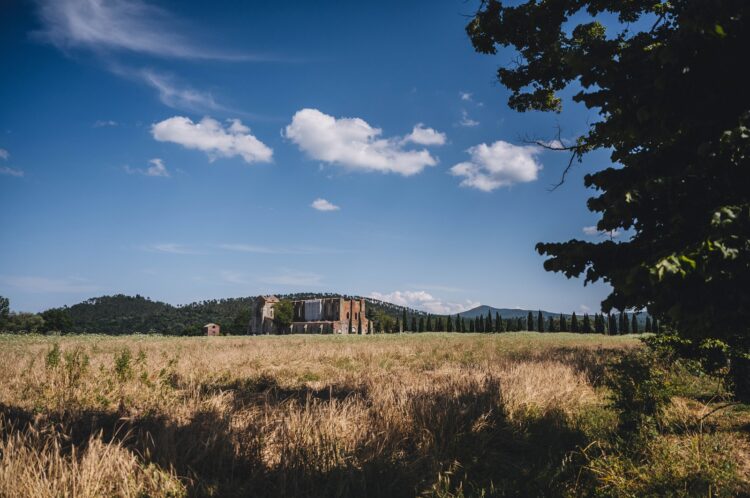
[515, 414]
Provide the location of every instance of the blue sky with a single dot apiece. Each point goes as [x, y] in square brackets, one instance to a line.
[194, 150]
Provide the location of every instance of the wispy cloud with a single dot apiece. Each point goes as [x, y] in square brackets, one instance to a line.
[293, 278]
[102, 123]
[35, 284]
[466, 121]
[175, 95]
[121, 26]
[171, 248]
[234, 277]
[4, 154]
[156, 169]
[260, 249]
[6, 170]
[320, 204]
[424, 301]
[465, 96]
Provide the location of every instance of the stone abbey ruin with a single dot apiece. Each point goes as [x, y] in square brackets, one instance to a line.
[335, 315]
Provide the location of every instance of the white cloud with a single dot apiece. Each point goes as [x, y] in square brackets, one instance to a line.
[6, 170]
[424, 301]
[157, 168]
[592, 230]
[4, 154]
[354, 144]
[101, 123]
[211, 137]
[425, 136]
[466, 121]
[293, 278]
[51, 285]
[466, 96]
[119, 25]
[324, 205]
[497, 165]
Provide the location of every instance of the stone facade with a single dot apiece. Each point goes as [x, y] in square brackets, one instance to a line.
[313, 316]
[211, 329]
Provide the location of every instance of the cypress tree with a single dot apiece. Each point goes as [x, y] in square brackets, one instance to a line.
[539, 322]
[655, 326]
[574, 323]
[428, 325]
[612, 325]
[440, 326]
[563, 323]
[648, 324]
[551, 324]
[586, 325]
[621, 322]
[471, 325]
[530, 321]
[625, 324]
[449, 324]
[414, 324]
[634, 325]
[498, 322]
[403, 320]
[421, 324]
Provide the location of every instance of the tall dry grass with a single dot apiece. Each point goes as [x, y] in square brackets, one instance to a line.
[440, 415]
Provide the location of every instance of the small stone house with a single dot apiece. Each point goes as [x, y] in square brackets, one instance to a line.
[211, 329]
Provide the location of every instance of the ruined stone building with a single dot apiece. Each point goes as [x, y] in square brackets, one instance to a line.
[335, 315]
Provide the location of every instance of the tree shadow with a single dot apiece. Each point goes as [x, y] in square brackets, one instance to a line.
[461, 434]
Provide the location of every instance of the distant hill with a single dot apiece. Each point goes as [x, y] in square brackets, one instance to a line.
[121, 314]
[504, 312]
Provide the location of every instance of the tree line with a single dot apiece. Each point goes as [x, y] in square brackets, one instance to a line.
[600, 323]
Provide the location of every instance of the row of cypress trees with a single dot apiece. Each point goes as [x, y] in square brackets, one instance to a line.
[610, 324]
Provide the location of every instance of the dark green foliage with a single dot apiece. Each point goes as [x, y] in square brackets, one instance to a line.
[586, 324]
[404, 320]
[634, 325]
[414, 324]
[638, 391]
[420, 327]
[530, 321]
[499, 327]
[439, 325]
[574, 323]
[648, 325]
[283, 313]
[540, 322]
[449, 324]
[551, 325]
[563, 323]
[472, 328]
[123, 366]
[675, 116]
[4, 310]
[488, 325]
[612, 324]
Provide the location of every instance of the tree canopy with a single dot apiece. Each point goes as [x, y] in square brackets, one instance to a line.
[674, 112]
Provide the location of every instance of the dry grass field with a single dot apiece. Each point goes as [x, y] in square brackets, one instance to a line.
[515, 414]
